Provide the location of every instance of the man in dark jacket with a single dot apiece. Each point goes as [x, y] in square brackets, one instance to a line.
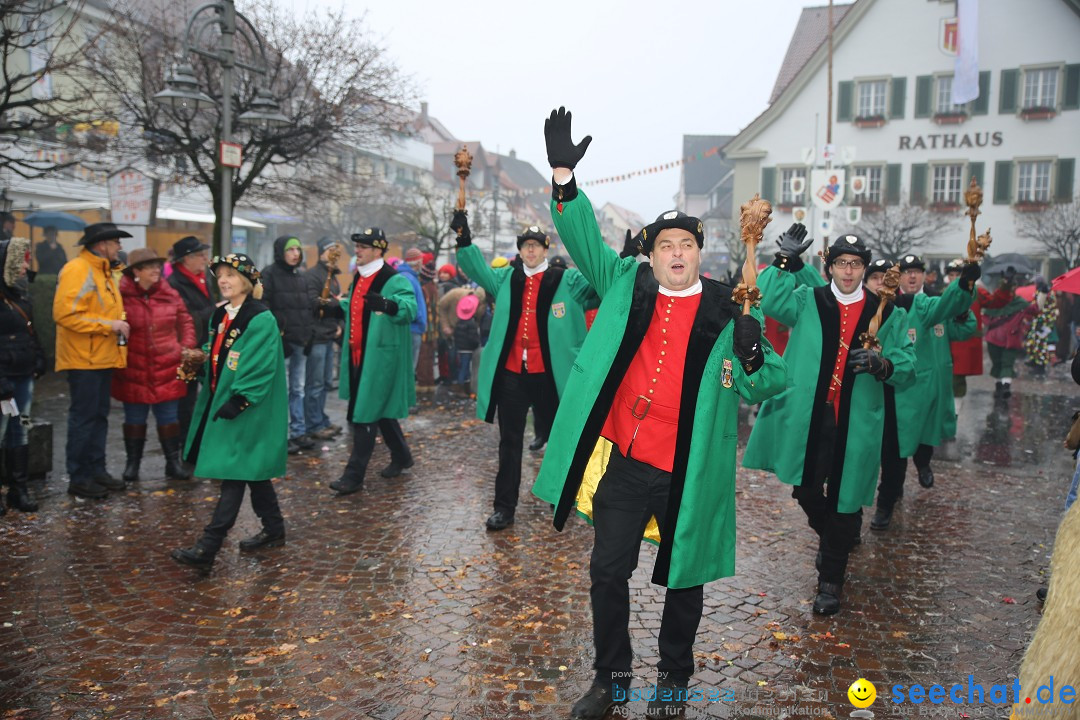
[325, 330]
[50, 255]
[189, 280]
[285, 293]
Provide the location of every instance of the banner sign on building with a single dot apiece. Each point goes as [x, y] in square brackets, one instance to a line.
[132, 197]
[827, 188]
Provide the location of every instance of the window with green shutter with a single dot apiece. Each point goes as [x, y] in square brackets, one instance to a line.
[981, 104]
[924, 91]
[892, 184]
[768, 184]
[1010, 82]
[898, 93]
[845, 100]
[976, 170]
[1003, 182]
[1071, 99]
[918, 183]
[1063, 188]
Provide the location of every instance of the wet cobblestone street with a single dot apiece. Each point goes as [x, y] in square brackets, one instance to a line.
[396, 604]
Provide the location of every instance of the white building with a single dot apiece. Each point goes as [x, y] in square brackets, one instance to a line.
[893, 64]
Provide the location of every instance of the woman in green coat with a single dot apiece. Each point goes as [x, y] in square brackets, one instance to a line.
[242, 412]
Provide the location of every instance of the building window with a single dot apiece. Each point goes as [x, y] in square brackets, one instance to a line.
[872, 98]
[943, 104]
[1033, 182]
[786, 196]
[948, 180]
[1040, 88]
[874, 192]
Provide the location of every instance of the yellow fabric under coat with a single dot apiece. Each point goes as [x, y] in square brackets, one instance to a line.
[595, 470]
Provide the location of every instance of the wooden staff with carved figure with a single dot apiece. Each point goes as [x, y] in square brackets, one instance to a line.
[463, 162]
[890, 284]
[754, 216]
[977, 245]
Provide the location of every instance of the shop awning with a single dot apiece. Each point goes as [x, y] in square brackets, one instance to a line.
[208, 218]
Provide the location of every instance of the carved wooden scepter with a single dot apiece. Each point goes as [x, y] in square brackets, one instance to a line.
[753, 217]
[977, 245]
[887, 293]
[463, 162]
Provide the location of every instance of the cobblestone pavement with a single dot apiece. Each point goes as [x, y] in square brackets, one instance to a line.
[395, 604]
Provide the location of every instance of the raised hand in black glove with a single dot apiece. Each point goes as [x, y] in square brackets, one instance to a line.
[232, 407]
[968, 275]
[460, 225]
[862, 360]
[631, 246]
[561, 150]
[746, 342]
[377, 303]
[794, 242]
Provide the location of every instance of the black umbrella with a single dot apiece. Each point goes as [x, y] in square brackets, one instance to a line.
[1001, 264]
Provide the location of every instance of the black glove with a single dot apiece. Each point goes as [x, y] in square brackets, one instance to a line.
[746, 342]
[561, 150]
[862, 360]
[460, 225]
[794, 242]
[631, 246]
[968, 275]
[232, 407]
[377, 303]
[40, 365]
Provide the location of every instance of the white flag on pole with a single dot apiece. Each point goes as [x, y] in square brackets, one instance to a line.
[965, 85]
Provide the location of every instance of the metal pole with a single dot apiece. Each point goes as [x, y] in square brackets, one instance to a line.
[828, 121]
[228, 29]
[495, 219]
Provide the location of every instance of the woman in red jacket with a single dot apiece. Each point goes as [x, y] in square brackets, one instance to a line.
[160, 328]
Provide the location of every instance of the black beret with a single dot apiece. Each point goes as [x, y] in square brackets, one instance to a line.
[533, 233]
[672, 219]
[372, 237]
[848, 245]
[878, 266]
[912, 262]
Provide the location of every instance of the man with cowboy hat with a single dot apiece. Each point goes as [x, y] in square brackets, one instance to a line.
[537, 330]
[189, 260]
[376, 360]
[90, 330]
[831, 411]
[644, 438]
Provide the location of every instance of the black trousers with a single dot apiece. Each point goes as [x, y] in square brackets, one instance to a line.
[629, 494]
[518, 391]
[187, 410]
[88, 423]
[263, 501]
[364, 446]
[894, 469]
[837, 531]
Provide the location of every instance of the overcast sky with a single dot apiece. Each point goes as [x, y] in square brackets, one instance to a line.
[636, 74]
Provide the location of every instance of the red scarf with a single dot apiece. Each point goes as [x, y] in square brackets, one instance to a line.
[198, 280]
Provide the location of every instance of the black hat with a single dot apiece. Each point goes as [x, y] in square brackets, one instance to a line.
[372, 237]
[955, 265]
[533, 232]
[671, 219]
[101, 231]
[878, 266]
[848, 245]
[326, 242]
[186, 246]
[239, 262]
[912, 262]
[558, 261]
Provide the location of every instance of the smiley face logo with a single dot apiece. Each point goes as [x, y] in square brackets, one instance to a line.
[862, 693]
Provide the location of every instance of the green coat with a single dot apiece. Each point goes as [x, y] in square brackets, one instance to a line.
[251, 446]
[384, 385]
[560, 310]
[785, 436]
[701, 510]
[925, 413]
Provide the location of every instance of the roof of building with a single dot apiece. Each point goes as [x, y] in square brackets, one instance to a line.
[520, 174]
[629, 218]
[701, 174]
[810, 32]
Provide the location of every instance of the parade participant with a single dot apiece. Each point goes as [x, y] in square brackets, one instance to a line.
[535, 336]
[160, 329]
[655, 395]
[90, 335]
[376, 360]
[242, 416]
[875, 274]
[833, 404]
[967, 355]
[188, 279]
[925, 412]
[325, 330]
[414, 260]
[425, 367]
[1007, 317]
[1040, 343]
[21, 362]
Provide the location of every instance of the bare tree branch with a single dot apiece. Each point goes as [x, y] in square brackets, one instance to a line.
[1055, 229]
[895, 230]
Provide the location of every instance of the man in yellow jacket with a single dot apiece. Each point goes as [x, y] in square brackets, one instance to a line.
[90, 335]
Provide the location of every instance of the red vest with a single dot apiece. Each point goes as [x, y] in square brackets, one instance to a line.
[527, 339]
[356, 318]
[849, 318]
[644, 419]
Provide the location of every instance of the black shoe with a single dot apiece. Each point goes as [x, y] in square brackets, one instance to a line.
[926, 477]
[293, 448]
[347, 486]
[595, 703]
[999, 389]
[108, 482]
[262, 539]
[394, 468]
[499, 520]
[881, 519]
[87, 489]
[1006, 390]
[169, 435]
[196, 556]
[670, 701]
[303, 442]
[538, 444]
[1040, 594]
[18, 467]
[827, 601]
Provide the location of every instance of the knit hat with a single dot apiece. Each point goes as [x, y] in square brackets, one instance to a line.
[466, 307]
[242, 264]
[427, 271]
[534, 232]
[429, 258]
[413, 254]
[672, 219]
[848, 245]
[448, 268]
[912, 262]
[293, 243]
[372, 237]
[326, 242]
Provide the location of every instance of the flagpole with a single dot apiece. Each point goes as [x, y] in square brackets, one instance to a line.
[828, 127]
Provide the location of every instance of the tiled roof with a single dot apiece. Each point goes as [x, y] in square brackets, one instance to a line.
[810, 33]
[702, 174]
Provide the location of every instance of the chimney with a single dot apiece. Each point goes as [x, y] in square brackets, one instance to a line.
[423, 112]
[513, 154]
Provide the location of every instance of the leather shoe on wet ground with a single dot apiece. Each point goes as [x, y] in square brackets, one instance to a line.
[595, 703]
[881, 519]
[538, 444]
[346, 486]
[109, 482]
[827, 601]
[262, 539]
[87, 489]
[394, 468]
[499, 520]
[926, 477]
[196, 556]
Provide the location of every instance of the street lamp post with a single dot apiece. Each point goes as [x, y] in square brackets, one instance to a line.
[182, 93]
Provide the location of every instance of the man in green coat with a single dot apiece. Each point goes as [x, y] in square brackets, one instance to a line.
[831, 411]
[537, 330]
[644, 439]
[925, 412]
[376, 360]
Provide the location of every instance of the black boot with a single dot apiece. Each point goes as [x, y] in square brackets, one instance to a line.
[882, 518]
[170, 445]
[595, 703]
[827, 601]
[18, 463]
[134, 442]
[196, 556]
[394, 468]
[926, 477]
